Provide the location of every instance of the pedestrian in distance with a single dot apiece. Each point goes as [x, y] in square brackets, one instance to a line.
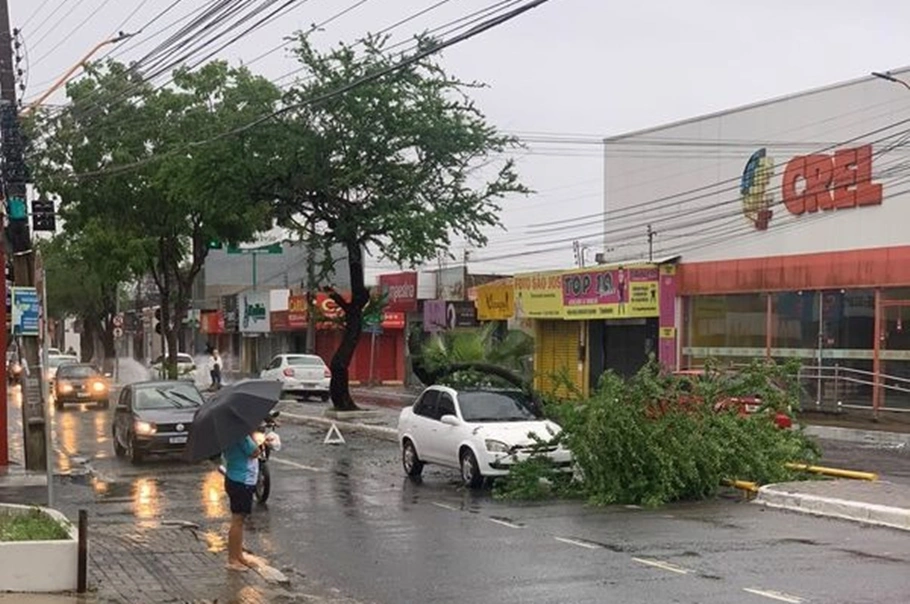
[241, 471]
[215, 369]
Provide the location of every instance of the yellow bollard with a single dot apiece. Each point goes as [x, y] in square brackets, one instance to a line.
[742, 484]
[836, 472]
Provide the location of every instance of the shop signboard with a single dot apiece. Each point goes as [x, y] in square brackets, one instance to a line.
[26, 311]
[460, 314]
[231, 314]
[495, 301]
[254, 312]
[538, 295]
[211, 321]
[434, 315]
[400, 290]
[611, 293]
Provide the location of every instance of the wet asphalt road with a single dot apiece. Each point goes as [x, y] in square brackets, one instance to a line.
[346, 517]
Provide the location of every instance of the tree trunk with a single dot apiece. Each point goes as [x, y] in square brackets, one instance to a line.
[107, 344]
[339, 387]
[89, 327]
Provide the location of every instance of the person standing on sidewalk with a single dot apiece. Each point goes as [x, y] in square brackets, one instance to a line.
[241, 471]
[215, 369]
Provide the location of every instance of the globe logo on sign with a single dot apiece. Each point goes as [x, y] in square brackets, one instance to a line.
[754, 189]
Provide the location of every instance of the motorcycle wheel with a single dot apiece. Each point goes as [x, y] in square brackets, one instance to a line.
[264, 483]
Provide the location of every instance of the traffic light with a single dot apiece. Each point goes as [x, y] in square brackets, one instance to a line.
[43, 218]
[157, 321]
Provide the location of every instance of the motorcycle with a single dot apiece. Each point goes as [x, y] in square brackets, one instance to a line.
[270, 442]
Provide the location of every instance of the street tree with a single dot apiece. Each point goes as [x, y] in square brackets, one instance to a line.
[394, 166]
[173, 168]
[85, 270]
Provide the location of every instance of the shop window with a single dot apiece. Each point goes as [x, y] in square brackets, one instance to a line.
[735, 321]
[847, 323]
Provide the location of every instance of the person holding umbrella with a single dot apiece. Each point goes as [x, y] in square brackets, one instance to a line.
[228, 424]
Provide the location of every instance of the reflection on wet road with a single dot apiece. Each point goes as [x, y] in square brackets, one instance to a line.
[347, 517]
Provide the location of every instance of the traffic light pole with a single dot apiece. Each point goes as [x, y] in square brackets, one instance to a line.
[19, 240]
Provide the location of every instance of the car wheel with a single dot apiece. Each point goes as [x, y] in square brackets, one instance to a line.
[324, 397]
[409, 459]
[133, 451]
[104, 404]
[470, 470]
[58, 404]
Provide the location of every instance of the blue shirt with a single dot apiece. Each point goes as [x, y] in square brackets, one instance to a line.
[239, 466]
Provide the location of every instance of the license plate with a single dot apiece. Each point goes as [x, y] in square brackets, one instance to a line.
[177, 440]
[309, 385]
[82, 394]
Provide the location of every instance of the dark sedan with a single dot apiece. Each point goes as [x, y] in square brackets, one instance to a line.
[81, 383]
[154, 417]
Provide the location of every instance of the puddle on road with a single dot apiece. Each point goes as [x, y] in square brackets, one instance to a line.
[215, 542]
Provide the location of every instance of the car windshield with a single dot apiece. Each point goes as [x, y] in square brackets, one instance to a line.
[77, 371]
[495, 407]
[305, 361]
[167, 396]
[182, 359]
[57, 361]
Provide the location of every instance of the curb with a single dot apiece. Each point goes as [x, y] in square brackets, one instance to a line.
[380, 432]
[773, 496]
[855, 435]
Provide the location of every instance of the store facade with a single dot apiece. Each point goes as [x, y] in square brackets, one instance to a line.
[789, 219]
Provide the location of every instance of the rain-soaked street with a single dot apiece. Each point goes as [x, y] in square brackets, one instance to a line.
[346, 518]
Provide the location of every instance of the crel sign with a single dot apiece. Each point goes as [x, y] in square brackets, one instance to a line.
[823, 182]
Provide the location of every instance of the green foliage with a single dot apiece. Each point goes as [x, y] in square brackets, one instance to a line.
[657, 438]
[397, 165]
[33, 525]
[479, 348]
[536, 478]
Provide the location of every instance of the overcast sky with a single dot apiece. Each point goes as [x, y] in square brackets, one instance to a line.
[574, 69]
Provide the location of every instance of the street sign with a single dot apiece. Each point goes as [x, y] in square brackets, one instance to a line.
[118, 332]
[374, 328]
[274, 248]
[26, 311]
[118, 320]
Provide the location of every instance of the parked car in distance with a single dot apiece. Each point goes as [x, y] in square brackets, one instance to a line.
[55, 361]
[482, 432]
[55, 351]
[154, 417]
[81, 383]
[186, 367]
[301, 375]
[743, 405]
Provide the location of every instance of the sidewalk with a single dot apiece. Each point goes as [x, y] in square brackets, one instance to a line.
[880, 502]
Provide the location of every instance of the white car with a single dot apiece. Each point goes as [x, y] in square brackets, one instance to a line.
[481, 432]
[54, 361]
[300, 374]
[186, 368]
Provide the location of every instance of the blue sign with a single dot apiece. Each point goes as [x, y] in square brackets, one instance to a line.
[26, 311]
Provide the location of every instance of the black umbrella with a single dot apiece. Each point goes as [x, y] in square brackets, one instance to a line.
[231, 414]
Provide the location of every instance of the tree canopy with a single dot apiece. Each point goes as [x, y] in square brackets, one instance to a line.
[395, 166]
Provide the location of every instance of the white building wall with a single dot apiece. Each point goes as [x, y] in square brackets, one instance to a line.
[684, 179]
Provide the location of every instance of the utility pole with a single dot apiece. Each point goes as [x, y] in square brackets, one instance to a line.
[19, 239]
[310, 295]
[651, 234]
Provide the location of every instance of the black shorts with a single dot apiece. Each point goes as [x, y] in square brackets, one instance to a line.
[241, 496]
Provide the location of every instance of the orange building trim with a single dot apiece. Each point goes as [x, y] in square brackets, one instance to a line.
[867, 268]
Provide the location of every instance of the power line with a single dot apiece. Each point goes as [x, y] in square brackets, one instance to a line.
[35, 13]
[422, 54]
[76, 28]
[58, 22]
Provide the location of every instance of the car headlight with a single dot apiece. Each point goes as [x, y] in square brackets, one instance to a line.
[64, 387]
[496, 446]
[99, 386]
[144, 428]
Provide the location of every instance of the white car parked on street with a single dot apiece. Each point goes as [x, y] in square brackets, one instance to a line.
[186, 367]
[300, 374]
[481, 432]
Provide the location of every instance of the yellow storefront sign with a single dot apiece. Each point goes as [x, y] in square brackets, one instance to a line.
[611, 292]
[538, 296]
[495, 301]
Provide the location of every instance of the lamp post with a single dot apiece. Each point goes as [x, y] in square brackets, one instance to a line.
[69, 72]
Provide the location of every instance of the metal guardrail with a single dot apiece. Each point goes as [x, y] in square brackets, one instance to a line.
[848, 388]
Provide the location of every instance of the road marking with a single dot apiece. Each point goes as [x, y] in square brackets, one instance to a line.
[445, 506]
[505, 523]
[294, 464]
[577, 542]
[774, 595]
[663, 566]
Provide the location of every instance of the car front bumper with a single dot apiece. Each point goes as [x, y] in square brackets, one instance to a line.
[499, 464]
[82, 397]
